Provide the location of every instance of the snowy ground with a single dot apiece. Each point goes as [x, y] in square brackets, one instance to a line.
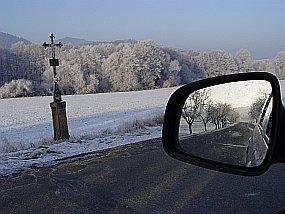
[93, 123]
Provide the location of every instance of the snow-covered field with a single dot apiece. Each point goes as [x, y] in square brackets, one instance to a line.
[93, 123]
[26, 123]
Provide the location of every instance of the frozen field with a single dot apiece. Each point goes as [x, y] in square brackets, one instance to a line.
[26, 122]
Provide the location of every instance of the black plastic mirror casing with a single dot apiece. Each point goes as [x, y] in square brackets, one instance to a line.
[172, 120]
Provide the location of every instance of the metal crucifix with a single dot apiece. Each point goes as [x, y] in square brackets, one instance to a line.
[54, 62]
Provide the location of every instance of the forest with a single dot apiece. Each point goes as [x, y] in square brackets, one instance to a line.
[108, 67]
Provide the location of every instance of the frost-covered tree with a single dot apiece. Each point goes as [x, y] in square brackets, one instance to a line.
[16, 88]
[122, 66]
[216, 63]
[28, 62]
[244, 61]
[189, 71]
[261, 64]
[150, 63]
[277, 65]
[172, 76]
[120, 70]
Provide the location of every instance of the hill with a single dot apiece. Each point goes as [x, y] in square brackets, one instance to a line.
[74, 41]
[6, 40]
[79, 42]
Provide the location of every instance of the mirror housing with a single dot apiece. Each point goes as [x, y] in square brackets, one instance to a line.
[170, 139]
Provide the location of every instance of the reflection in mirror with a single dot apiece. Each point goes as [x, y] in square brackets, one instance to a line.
[228, 123]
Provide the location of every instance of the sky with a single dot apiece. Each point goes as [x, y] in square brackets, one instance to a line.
[239, 94]
[257, 25]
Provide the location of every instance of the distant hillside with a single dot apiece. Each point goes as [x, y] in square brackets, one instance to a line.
[79, 42]
[6, 40]
[74, 41]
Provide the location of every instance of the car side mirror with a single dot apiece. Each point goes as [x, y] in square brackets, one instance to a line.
[228, 123]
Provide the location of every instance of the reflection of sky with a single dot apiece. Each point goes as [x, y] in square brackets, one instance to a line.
[239, 94]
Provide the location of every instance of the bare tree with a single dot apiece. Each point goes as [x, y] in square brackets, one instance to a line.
[222, 113]
[233, 116]
[214, 116]
[206, 108]
[193, 106]
[225, 110]
[256, 107]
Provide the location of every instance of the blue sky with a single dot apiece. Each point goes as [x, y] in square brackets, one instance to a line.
[257, 25]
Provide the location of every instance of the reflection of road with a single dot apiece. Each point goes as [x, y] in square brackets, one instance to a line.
[228, 145]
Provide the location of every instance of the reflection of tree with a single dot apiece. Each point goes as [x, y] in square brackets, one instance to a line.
[215, 117]
[199, 106]
[222, 114]
[192, 107]
[256, 107]
[225, 110]
[233, 116]
[205, 113]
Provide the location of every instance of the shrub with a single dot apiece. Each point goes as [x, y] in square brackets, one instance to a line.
[7, 146]
[130, 126]
[155, 120]
[16, 88]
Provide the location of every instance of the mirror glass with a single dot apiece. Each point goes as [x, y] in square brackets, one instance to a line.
[228, 123]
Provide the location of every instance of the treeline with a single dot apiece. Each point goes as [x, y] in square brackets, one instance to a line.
[199, 107]
[24, 69]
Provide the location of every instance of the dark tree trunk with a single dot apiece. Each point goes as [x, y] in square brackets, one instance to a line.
[205, 126]
[190, 127]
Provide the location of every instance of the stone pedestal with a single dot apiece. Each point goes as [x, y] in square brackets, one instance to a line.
[60, 126]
